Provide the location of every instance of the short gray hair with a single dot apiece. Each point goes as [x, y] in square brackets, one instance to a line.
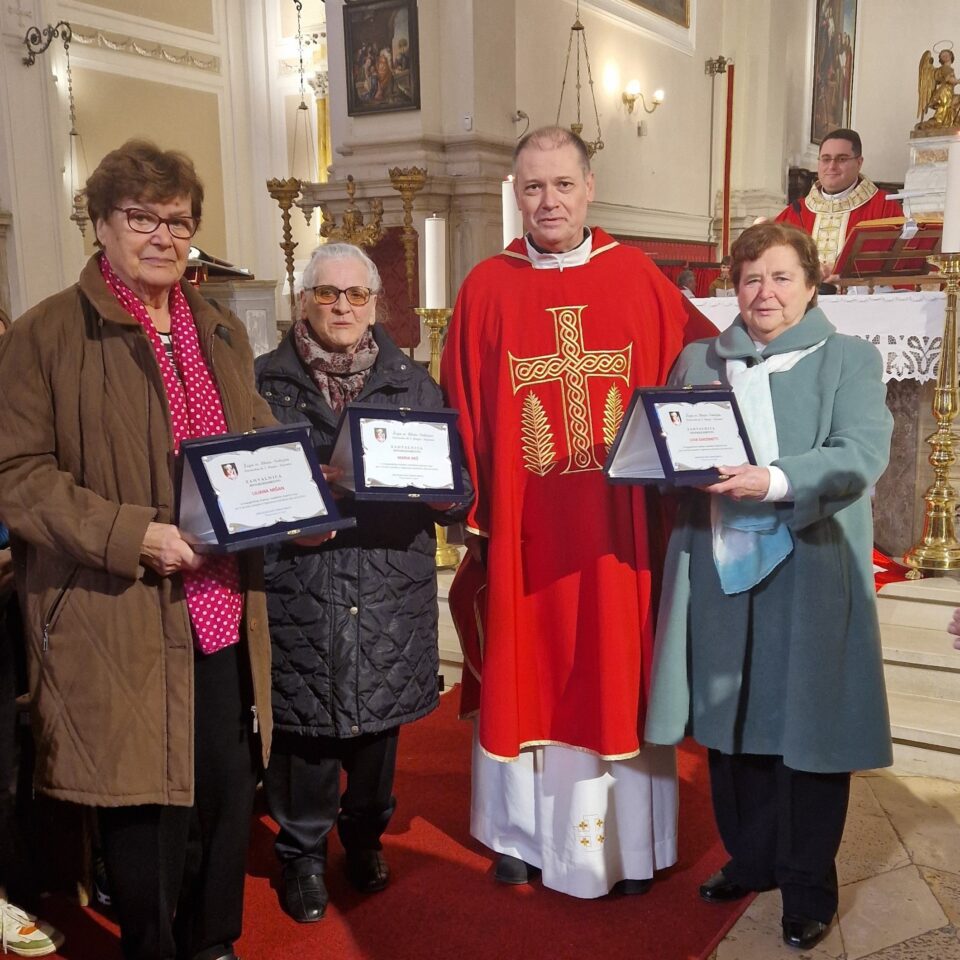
[327, 252]
[552, 138]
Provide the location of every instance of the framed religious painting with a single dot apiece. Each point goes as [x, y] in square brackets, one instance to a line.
[382, 56]
[834, 33]
[676, 11]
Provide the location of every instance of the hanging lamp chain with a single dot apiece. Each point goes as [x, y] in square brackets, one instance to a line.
[311, 158]
[578, 35]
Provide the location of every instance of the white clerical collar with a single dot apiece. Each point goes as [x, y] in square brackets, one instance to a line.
[577, 257]
[843, 194]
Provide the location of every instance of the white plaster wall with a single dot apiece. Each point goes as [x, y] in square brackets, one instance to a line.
[891, 36]
[668, 168]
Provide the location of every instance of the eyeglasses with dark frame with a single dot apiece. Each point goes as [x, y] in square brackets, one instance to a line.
[842, 160]
[143, 221]
[326, 294]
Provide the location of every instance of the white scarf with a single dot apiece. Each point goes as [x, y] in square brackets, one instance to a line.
[749, 541]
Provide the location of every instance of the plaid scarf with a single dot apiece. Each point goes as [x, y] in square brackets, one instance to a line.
[339, 376]
[214, 600]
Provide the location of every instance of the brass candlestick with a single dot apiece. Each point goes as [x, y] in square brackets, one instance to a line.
[408, 182]
[436, 319]
[285, 192]
[939, 548]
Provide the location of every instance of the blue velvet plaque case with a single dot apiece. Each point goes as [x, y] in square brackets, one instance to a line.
[238, 491]
[408, 454]
[641, 452]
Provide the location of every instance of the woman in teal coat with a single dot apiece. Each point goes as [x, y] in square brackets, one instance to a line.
[768, 648]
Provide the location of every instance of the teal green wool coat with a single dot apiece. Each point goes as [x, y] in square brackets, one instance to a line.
[792, 667]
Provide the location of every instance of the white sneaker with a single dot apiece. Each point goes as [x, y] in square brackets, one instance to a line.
[22, 934]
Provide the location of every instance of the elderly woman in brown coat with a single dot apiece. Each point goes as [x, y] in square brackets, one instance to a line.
[149, 666]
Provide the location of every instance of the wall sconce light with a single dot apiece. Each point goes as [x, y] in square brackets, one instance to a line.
[632, 93]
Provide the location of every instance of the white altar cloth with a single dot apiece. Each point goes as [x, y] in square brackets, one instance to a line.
[906, 327]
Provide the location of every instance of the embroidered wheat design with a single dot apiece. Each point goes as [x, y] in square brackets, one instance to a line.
[612, 415]
[538, 446]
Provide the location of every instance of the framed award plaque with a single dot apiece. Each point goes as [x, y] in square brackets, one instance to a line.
[399, 453]
[245, 490]
[678, 436]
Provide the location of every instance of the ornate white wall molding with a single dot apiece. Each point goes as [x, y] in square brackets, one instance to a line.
[624, 13]
[122, 43]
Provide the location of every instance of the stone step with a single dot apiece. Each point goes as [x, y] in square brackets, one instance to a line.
[926, 603]
[920, 662]
[919, 647]
[926, 734]
[925, 719]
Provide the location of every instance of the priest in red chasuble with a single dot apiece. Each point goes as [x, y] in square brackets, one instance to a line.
[840, 198]
[548, 341]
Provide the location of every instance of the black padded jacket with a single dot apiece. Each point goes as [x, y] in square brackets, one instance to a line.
[353, 623]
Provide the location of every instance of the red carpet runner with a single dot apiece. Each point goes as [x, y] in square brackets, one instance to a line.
[443, 902]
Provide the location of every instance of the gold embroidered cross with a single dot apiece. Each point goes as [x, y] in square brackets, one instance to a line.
[572, 366]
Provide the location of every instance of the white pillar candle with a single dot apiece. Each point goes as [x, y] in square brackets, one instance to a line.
[512, 221]
[951, 202]
[435, 263]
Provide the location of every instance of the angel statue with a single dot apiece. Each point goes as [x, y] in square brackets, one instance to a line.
[935, 92]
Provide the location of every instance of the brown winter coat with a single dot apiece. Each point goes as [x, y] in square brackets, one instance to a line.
[85, 466]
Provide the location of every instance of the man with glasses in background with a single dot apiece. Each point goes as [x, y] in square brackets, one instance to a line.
[839, 199]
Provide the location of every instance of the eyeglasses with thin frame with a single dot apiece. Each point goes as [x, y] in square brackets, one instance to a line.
[143, 221]
[842, 160]
[327, 294]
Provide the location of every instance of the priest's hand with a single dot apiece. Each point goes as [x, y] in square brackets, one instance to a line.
[165, 550]
[476, 547]
[744, 482]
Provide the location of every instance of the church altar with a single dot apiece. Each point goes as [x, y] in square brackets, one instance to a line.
[907, 328]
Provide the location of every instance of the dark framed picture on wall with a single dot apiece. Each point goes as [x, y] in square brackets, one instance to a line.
[676, 11]
[835, 29]
[382, 56]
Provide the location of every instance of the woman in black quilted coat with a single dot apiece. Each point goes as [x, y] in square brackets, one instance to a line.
[354, 622]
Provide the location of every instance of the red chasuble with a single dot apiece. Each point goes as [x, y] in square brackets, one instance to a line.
[829, 221]
[541, 365]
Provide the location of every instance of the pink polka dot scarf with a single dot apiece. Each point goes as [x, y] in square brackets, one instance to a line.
[214, 600]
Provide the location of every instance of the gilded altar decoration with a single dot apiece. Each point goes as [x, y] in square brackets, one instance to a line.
[536, 436]
[612, 415]
[936, 86]
[352, 228]
[572, 366]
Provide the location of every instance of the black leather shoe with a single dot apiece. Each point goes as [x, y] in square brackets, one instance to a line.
[514, 870]
[802, 932]
[305, 897]
[718, 889]
[367, 870]
[632, 888]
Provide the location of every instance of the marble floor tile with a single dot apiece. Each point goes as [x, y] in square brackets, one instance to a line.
[936, 945]
[946, 888]
[757, 936]
[926, 814]
[863, 801]
[885, 910]
[870, 844]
